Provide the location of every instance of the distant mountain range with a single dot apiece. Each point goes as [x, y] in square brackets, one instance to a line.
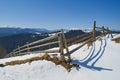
[116, 31]
[12, 31]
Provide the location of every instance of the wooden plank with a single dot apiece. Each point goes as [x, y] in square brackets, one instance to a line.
[44, 51]
[49, 51]
[103, 31]
[78, 41]
[84, 38]
[99, 28]
[79, 46]
[79, 36]
[94, 30]
[38, 46]
[65, 44]
[39, 41]
[34, 52]
[61, 47]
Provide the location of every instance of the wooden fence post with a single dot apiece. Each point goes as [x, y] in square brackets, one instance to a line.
[28, 49]
[103, 31]
[108, 31]
[65, 44]
[94, 31]
[61, 47]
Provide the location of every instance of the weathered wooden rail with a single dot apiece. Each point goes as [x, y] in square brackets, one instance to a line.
[29, 46]
[61, 41]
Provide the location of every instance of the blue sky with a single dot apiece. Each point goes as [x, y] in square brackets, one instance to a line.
[57, 14]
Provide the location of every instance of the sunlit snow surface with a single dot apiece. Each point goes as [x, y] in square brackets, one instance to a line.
[98, 62]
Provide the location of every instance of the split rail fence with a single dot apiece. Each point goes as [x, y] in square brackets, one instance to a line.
[61, 40]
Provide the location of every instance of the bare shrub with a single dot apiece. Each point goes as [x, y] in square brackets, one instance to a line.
[64, 63]
[89, 43]
[117, 40]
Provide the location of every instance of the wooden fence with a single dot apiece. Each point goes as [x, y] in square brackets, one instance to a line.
[28, 48]
[34, 47]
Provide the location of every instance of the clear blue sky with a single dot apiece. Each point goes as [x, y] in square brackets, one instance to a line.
[56, 14]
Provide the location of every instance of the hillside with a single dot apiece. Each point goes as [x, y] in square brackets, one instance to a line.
[97, 62]
[20, 39]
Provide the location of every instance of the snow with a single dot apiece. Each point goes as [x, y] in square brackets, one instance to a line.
[98, 62]
[38, 33]
[116, 35]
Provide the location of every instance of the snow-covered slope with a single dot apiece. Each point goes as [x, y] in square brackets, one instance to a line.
[98, 62]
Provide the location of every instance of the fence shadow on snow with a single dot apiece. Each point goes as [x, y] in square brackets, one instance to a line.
[92, 56]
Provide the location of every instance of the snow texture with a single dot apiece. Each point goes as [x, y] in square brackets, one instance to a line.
[98, 62]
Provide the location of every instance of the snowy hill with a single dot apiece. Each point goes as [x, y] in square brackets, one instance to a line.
[98, 62]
